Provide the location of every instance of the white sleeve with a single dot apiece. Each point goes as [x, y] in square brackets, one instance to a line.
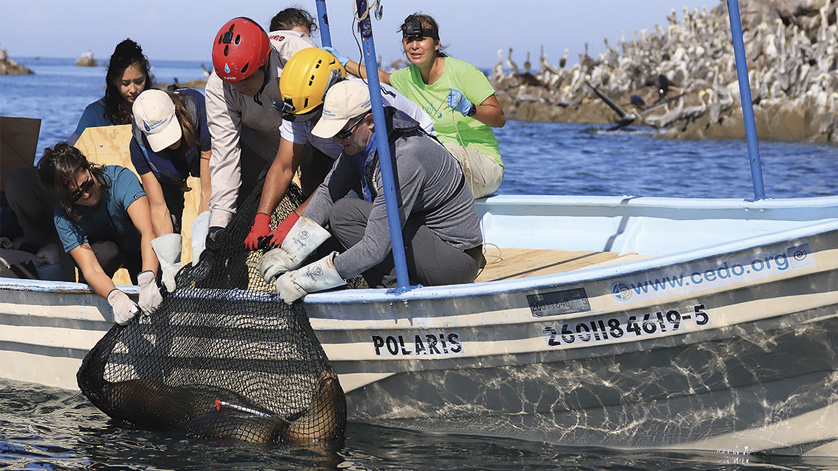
[224, 122]
[392, 97]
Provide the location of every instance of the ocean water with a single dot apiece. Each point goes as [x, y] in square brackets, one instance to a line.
[44, 428]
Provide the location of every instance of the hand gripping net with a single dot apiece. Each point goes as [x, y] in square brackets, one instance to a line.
[223, 357]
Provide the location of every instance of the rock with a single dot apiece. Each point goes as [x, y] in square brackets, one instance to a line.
[793, 66]
[10, 67]
[86, 60]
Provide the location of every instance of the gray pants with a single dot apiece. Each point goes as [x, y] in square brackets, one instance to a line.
[430, 260]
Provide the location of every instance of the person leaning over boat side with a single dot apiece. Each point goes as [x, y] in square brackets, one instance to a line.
[171, 141]
[243, 122]
[128, 76]
[307, 77]
[440, 227]
[434, 80]
[104, 222]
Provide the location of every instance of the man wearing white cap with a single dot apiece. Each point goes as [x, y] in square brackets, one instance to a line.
[439, 220]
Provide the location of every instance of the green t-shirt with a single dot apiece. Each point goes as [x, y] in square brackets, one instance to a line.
[433, 99]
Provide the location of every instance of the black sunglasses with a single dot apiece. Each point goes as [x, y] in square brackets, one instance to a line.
[345, 133]
[83, 188]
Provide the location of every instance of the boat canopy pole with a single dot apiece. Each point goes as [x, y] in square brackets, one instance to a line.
[384, 158]
[745, 94]
[323, 21]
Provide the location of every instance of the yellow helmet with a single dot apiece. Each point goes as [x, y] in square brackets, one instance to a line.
[304, 81]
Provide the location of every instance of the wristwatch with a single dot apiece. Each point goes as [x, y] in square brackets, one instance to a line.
[472, 111]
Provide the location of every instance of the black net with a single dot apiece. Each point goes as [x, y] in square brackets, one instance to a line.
[222, 357]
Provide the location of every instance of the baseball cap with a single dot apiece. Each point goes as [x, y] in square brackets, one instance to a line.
[344, 101]
[154, 114]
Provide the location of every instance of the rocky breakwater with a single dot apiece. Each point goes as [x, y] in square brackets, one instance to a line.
[10, 67]
[681, 78]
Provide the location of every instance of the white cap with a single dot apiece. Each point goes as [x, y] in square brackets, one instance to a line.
[344, 101]
[154, 114]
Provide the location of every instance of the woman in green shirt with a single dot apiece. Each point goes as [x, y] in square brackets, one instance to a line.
[458, 97]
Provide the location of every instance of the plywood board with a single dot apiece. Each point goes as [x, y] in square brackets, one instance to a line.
[109, 145]
[507, 264]
[18, 144]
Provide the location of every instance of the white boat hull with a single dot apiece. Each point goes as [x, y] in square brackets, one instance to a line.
[721, 338]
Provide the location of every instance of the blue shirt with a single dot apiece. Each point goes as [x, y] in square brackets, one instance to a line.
[94, 115]
[108, 221]
[173, 166]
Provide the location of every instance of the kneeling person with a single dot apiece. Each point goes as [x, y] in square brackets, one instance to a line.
[439, 219]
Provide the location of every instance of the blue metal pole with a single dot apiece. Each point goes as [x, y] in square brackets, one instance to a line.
[745, 94]
[384, 158]
[323, 21]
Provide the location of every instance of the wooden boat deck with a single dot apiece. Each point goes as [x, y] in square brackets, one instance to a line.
[508, 264]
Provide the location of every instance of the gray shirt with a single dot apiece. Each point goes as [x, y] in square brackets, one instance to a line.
[431, 183]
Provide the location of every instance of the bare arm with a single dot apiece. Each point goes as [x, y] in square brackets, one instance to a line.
[206, 183]
[140, 215]
[490, 112]
[279, 175]
[359, 70]
[92, 271]
[161, 219]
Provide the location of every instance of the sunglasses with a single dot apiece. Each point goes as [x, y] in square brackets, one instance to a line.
[345, 133]
[82, 189]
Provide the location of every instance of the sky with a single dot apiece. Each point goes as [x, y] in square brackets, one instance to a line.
[473, 30]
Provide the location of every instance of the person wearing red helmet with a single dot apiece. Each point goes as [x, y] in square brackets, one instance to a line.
[242, 120]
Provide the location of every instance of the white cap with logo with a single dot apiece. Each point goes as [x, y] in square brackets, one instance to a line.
[344, 101]
[154, 114]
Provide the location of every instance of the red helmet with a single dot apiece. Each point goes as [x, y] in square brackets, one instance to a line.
[240, 48]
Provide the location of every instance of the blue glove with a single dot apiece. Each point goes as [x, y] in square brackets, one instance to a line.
[343, 60]
[458, 101]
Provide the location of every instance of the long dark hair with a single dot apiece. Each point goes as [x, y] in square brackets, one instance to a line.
[126, 54]
[58, 168]
[187, 127]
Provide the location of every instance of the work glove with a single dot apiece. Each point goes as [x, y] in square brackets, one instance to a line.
[150, 297]
[272, 238]
[303, 237]
[261, 228]
[342, 59]
[200, 228]
[123, 308]
[168, 249]
[458, 101]
[316, 276]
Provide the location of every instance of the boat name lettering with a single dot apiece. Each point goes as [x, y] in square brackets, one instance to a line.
[612, 329]
[418, 344]
[710, 275]
[558, 302]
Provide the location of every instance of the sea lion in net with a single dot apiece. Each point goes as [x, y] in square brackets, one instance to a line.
[222, 357]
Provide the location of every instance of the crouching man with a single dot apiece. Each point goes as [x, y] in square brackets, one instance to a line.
[443, 243]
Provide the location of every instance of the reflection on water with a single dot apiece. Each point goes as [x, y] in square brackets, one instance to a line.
[44, 428]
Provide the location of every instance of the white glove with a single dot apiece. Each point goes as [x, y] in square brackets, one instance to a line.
[168, 249]
[150, 297]
[123, 308]
[305, 236]
[316, 276]
[200, 229]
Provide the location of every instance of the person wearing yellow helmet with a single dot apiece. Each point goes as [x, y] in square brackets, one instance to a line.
[306, 78]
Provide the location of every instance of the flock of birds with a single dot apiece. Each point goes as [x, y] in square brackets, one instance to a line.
[684, 74]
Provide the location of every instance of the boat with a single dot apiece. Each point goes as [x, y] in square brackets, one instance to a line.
[621, 321]
[653, 322]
